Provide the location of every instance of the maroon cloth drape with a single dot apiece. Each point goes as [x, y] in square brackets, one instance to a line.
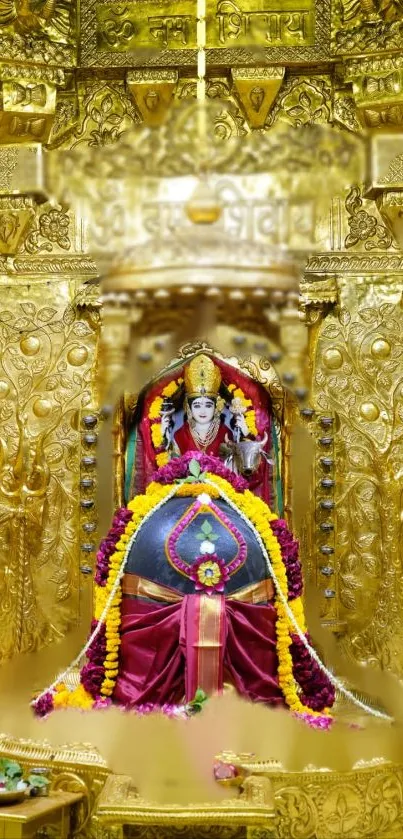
[152, 664]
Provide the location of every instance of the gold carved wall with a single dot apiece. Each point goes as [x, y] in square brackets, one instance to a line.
[353, 308]
[48, 344]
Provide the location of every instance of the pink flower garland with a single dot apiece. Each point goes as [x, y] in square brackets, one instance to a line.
[317, 691]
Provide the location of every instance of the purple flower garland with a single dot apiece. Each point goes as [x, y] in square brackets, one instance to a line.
[289, 553]
[108, 545]
[317, 691]
[93, 673]
[44, 705]
[178, 468]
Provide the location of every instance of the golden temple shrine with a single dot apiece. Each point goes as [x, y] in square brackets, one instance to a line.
[201, 419]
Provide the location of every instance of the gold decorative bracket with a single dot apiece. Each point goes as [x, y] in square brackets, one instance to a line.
[21, 189]
[28, 103]
[378, 90]
[385, 179]
[256, 90]
[152, 91]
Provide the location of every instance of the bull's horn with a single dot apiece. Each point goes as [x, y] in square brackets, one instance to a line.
[265, 439]
[226, 438]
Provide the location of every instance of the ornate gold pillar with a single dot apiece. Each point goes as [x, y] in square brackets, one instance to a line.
[48, 337]
[352, 299]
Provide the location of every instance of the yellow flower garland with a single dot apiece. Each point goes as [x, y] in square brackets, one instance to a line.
[140, 506]
[257, 512]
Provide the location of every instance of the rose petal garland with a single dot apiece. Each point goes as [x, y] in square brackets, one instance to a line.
[108, 545]
[290, 554]
[183, 567]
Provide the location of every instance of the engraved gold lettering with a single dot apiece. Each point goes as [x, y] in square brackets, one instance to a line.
[267, 26]
[116, 32]
[163, 28]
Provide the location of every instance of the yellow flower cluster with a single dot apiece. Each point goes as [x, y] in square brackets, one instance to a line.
[156, 435]
[77, 698]
[250, 417]
[140, 506]
[193, 490]
[259, 514]
[162, 459]
[155, 408]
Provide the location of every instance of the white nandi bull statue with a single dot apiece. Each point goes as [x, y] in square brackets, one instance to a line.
[243, 457]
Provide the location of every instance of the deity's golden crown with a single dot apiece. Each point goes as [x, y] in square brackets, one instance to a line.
[202, 377]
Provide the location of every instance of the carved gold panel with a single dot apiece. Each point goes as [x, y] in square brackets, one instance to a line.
[139, 34]
[47, 353]
[357, 383]
[251, 23]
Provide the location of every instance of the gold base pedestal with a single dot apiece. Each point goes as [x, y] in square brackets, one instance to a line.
[274, 804]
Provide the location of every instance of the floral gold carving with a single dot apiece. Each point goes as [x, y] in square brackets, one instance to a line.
[106, 112]
[51, 229]
[364, 227]
[358, 379]
[46, 380]
[303, 101]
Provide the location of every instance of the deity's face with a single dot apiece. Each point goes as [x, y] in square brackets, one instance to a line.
[202, 409]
